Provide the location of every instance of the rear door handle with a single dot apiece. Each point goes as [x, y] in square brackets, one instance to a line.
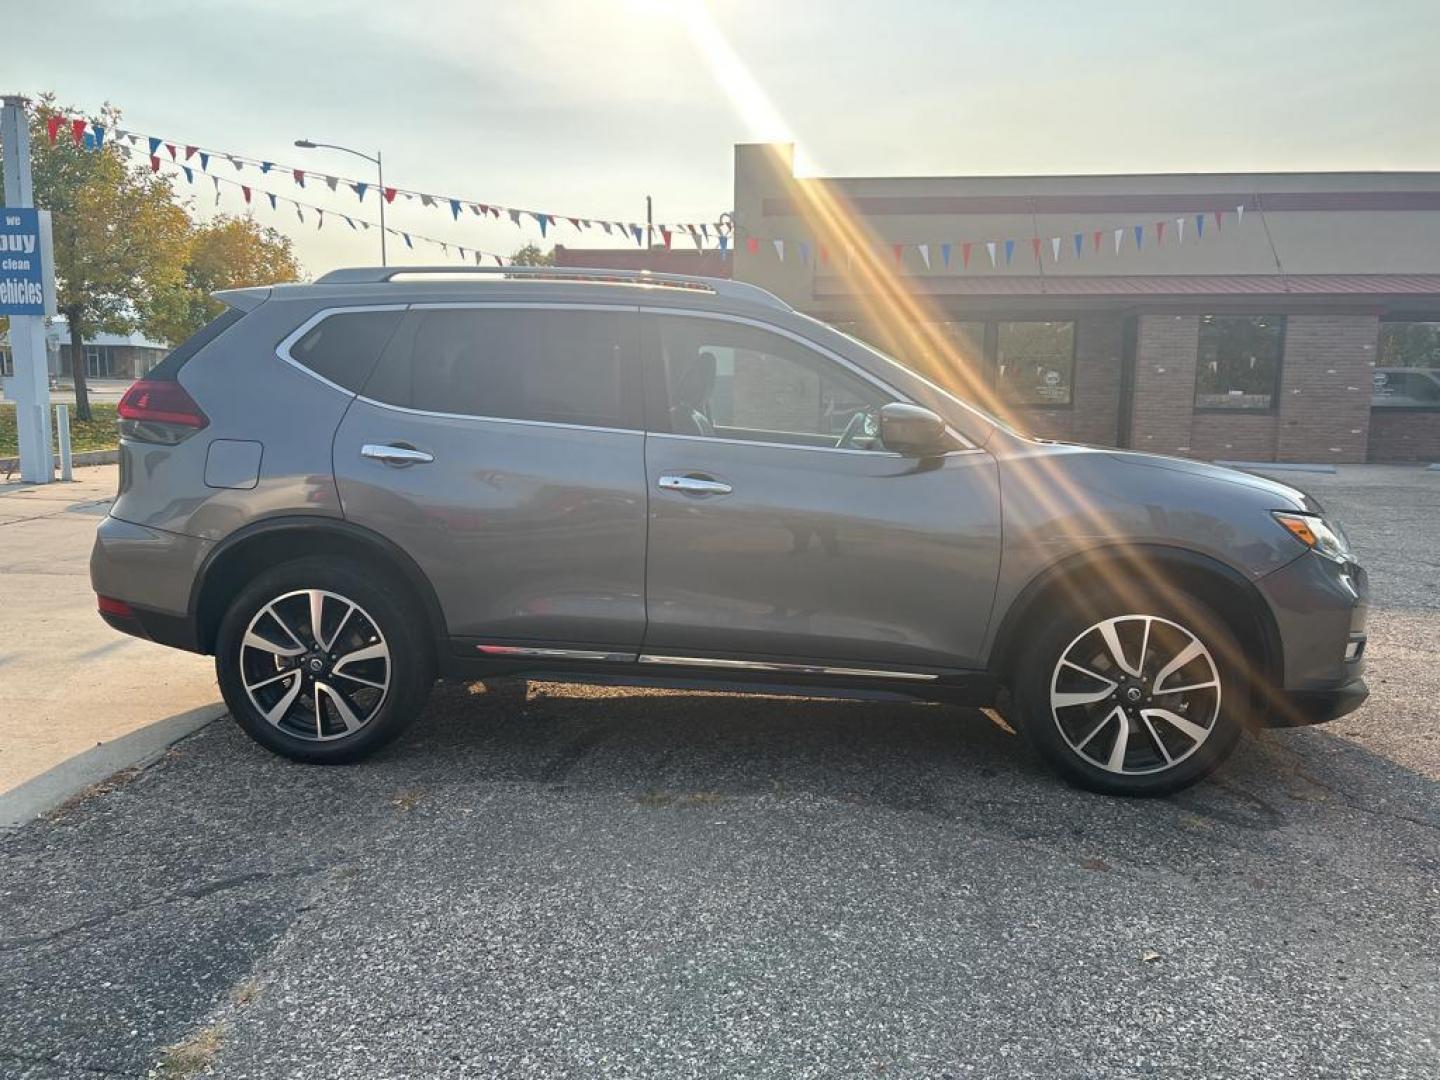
[693, 485]
[396, 454]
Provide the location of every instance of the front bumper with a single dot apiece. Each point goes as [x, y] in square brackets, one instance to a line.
[1303, 707]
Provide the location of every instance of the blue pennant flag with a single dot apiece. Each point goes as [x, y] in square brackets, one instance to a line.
[349, 220]
[544, 220]
[189, 174]
[1079, 244]
[804, 251]
[88, 142]
[273, 204]
[204, 161]
[455, 209]
[359, 189]
[639, 234]
[99, 135]
[1009, 251]
[406, 235]
[1139, 237]
[1199, 226]
[154, 145]
[945, 255]
[265, 166]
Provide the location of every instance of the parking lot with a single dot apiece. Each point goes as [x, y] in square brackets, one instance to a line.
[579, 882]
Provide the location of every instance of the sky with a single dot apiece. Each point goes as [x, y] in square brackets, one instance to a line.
[583, 107]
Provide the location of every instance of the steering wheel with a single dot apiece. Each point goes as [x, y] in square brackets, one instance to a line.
[864, 424]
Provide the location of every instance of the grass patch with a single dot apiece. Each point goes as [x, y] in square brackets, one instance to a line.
[189, 1057]
[97, 433]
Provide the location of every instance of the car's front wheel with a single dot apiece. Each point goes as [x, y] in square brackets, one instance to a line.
[1133, 699]
[322, 661]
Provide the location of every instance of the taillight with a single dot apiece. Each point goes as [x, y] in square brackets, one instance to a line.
[152, 410]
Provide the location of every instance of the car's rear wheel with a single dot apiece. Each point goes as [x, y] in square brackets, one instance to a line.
[1133, 699]
[322, 660]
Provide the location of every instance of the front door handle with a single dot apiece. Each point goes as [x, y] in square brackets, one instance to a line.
[396, 454]
[694, 484]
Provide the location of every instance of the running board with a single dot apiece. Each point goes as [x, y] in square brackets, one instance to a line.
[667, 660]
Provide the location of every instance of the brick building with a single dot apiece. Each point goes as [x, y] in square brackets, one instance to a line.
[1303, 326]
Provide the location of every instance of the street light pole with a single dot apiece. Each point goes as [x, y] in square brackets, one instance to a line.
[306, 144]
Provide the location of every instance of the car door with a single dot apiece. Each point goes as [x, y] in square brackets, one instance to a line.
[501, 447]
[782, 531]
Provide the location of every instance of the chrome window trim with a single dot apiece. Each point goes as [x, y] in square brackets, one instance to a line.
[813, 346]
[793, 669]
[799, 446]
[637, 432]
[282, 351]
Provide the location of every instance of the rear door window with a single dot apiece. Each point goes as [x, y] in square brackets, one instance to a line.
[344, 345]
[551, 365]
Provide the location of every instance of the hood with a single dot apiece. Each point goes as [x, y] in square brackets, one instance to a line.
[1286, 497]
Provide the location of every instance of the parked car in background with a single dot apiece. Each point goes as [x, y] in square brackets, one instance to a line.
[347, 488]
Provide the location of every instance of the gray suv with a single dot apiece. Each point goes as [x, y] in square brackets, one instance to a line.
[345, 489]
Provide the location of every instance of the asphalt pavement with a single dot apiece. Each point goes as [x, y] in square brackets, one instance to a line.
[621, 883]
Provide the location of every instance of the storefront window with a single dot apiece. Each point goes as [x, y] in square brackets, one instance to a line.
[1407, 367]
[1239, 361]
[1035, 362]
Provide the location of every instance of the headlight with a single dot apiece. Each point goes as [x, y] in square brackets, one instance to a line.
[1312, 531]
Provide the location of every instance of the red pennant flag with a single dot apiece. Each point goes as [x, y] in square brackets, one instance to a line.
[666, 234]
[1035, 247]
[171, 147]
[299, 175]
[898, 250]
[576, 222]
[965, 254]
[824, 255]
[52, 127]
[752, 245]
[77, 130]
[246, 192]
[1219, 222]
[389, 194]
[1159, 232]
[190, 152]
[1098, 234]
[154, 163]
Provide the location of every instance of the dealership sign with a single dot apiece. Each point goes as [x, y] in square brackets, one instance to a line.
[22, 277]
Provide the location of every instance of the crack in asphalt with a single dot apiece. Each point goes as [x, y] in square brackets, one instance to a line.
[40, 1059]
[197, 892]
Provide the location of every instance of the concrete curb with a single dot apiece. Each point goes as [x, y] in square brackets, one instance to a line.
[143, 747]
[85, 457]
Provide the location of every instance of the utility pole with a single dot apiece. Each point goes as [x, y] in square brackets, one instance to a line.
[29, 271]
[649, 224]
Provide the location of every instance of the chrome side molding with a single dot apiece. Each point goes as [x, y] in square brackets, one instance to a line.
[792, 669]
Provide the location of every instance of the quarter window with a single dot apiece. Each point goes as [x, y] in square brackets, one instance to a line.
[1238, 366]
[550, 365]
[344, 347]
[734, 381]
[1035, 362]
[1407, 368]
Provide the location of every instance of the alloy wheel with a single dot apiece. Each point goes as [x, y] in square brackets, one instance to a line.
[1135, 694]
[315, 665]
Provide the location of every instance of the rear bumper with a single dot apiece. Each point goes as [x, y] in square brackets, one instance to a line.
[152, 572]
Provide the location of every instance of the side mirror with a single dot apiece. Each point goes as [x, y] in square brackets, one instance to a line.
[913, 431]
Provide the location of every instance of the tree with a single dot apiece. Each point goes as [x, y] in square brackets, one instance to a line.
[531, 255]
[120, 236]
[226, 253]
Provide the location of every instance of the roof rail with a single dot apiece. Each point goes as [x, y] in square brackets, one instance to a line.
[737, 290]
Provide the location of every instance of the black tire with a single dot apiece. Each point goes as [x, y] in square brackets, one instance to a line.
[1073, 631]
[387, 617]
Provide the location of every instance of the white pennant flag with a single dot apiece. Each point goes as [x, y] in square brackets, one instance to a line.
[1119, 239]
[990, 250]
[1179, 230]
[1239, 213]
[1055, 249]
[332, 181]
[924, 250]
[779, 248]
[217, 189]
